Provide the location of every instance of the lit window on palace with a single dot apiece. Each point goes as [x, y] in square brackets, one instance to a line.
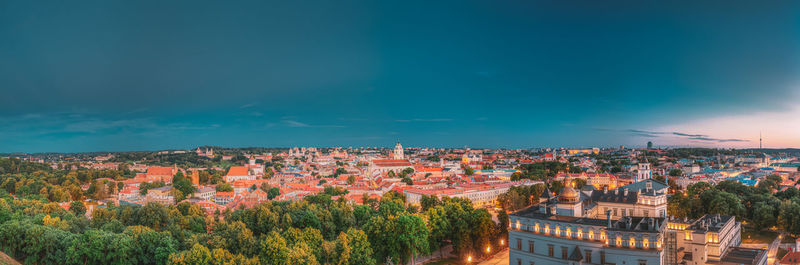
[591, 234]
[568, 233]
[536, 228]
[645, 243]
[632, 243]
[619, 241]
[713, 238]
[580, 234]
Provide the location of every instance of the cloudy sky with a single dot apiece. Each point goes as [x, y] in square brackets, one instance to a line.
[112, 75]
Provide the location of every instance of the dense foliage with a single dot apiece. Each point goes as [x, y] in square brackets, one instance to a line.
[544, 170]
[35, 229]
[756, 205]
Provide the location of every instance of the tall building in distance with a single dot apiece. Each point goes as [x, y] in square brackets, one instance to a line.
[649, 145]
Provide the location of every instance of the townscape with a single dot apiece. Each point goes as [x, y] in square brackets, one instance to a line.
[364, 132]
[310, 205]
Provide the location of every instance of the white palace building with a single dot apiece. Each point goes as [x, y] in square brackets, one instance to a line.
[625, 226]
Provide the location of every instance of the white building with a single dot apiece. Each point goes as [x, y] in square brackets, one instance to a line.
[644, 172]
[621, 227]
[557, 232]
[206, 193]
[398, 152]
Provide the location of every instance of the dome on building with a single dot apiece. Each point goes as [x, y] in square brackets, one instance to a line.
[569, 195]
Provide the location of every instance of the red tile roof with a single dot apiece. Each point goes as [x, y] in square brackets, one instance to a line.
[392, 163]
[791, 258]
[238, 171]
[160, 171]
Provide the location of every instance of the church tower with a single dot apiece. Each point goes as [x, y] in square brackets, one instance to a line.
[644, 171]
[398, 152]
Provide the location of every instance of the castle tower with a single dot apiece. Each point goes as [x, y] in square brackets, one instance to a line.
[398, 151]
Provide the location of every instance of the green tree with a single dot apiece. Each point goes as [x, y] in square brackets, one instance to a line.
[675, 172]
[100, 247]
[412, 236]
[198, 254]
[151, 247]
[273, 193]
[224, 187]
[439, 227]
[153, 215]
[764, 215]
[77, 208]
[273, 249]
[302, 254]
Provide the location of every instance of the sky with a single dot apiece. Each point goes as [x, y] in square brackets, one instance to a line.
[108, 75]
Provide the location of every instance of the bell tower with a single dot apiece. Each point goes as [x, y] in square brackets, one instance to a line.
[644, 172]
[398, 151]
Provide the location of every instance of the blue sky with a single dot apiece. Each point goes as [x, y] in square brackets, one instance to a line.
[143, 75]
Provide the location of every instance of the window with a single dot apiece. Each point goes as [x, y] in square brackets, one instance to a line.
[564, 252]
[588, 256]
[519, 244]
[642, 262]
[530, 246]
[646, 213]
[532, 263]
[519, 262]
[602, 257]
[550, 250]
[615, 212]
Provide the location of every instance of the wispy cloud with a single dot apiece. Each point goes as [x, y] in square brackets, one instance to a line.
[688, 135]
[292, 123]
[680, 135]
[426, 120]
[247, 105]
[298, 124]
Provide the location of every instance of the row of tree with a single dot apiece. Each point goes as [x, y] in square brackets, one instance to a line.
[761, 206]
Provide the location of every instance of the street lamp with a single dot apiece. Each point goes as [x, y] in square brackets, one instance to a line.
[501, 242]
[469, 259]
[488, 249]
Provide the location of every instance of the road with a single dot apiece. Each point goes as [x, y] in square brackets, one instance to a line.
[772, 250]
[498, 259]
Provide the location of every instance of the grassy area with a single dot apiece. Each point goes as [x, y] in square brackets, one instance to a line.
[751, 236]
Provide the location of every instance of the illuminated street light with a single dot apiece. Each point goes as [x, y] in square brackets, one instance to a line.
[488, 249]
[469, 259]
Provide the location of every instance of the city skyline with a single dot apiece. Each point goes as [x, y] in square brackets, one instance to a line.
[100, 77]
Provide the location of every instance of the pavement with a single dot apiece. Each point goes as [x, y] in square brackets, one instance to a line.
[501, 258]
[772, 250]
